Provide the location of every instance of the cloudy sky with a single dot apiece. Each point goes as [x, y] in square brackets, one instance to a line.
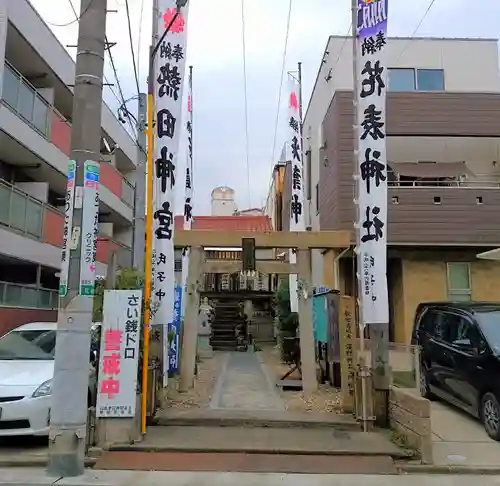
[215, 51]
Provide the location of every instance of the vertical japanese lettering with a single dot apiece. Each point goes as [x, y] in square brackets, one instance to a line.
[169, 80]
[372, 160]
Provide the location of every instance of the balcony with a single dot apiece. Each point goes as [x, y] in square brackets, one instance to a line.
[16, 295]
[27, 102]
[21, 212]
[27, 215]
[106, 245]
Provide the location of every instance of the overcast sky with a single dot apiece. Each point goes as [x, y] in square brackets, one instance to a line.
[215, 51]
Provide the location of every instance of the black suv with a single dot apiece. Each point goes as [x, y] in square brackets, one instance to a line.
[460, 357]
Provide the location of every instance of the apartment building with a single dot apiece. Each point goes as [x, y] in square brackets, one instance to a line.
[443, 152]
[36, 102]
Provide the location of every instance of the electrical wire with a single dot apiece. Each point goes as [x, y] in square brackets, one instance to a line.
[283, 65]
[139, 39]
[432, 2]
[247, 145]
[77, 19]
[132, 48]
[120, 91]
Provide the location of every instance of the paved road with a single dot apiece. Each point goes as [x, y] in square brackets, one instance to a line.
[243, 384]
[126, 478]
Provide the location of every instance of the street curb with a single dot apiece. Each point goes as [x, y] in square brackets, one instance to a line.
[37, 462]
[451, 469]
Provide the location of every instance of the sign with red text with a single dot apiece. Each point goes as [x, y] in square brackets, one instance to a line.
[119, 358]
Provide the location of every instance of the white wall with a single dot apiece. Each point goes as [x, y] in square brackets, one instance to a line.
[481, 75]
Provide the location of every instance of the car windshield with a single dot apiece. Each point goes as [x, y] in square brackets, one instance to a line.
[28, 345]
[489, 321]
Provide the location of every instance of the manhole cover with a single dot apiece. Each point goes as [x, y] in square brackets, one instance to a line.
[456, 458]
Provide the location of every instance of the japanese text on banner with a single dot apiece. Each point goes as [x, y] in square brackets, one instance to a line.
[297, 207]
[372, 160]
[175, 328]
[188, 191]
[168, 85]
[119, 357]
[69, 204]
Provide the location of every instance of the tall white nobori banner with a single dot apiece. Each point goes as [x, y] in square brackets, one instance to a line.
[170, 66]
[188, 191]
[297, 206]
[371, 54]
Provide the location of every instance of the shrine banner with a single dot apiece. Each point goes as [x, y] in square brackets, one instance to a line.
[188, 190]
[168, 85]
[371, 66]
[297, 206]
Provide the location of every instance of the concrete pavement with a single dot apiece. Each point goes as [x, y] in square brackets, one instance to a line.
[460, 440]
[133, 478]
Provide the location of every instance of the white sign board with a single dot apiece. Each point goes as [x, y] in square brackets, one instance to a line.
[119, 358]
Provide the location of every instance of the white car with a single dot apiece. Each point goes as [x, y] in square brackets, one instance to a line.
[26, 372]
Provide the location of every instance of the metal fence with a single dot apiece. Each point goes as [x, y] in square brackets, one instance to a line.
[404, 363]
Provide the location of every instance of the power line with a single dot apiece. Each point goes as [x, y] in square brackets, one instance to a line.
[120, 91]
[139, 39]
[132, 48]
[283, 65]
[432, 2]
[247, 146]
[77, 19]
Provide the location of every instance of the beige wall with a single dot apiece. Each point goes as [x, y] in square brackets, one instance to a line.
[424, 281]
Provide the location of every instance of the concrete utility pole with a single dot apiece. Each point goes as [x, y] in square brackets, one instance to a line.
[140, 187]
[71, 368]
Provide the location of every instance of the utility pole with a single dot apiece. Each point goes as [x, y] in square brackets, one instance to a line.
[71, 368]
[140, 186]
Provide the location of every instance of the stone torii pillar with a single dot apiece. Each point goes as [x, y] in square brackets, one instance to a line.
[190, 327]
[307, 344]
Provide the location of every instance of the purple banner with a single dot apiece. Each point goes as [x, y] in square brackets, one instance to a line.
[372, 17]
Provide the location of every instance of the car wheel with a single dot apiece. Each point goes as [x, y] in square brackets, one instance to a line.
[424, 384]
[490, 415]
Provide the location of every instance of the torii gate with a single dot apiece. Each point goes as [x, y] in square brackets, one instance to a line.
[303, 242]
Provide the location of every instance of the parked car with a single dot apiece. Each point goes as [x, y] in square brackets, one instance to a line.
[460, 357]
[26, 373]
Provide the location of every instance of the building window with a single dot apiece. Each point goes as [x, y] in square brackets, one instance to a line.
[458, 281]
[409, 79]
[317, 198]
[402, 80]
[430, 80]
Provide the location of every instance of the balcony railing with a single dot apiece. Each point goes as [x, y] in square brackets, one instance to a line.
[17, 295]
[26, 101]
[441, 183]
[21, 96]
[20, 211]
[105, 245]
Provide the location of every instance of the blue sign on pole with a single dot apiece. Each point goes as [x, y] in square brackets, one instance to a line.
[175, 326]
